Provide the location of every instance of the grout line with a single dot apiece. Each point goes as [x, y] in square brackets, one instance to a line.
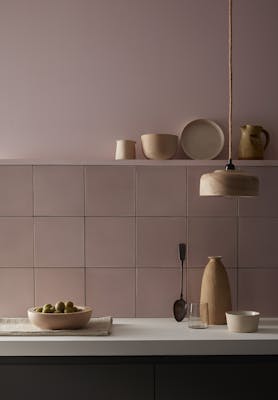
[237, 255]
[275, 217]
[135, 239]
[175, 268]
[33, 219]
[84, 236]
[169, 268]
[187, 237]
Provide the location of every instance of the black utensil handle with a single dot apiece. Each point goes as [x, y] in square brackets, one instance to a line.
[182, 251]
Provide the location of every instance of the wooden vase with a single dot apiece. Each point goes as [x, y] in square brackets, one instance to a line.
[215, 290]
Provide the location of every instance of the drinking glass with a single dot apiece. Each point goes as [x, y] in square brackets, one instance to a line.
[198, 315]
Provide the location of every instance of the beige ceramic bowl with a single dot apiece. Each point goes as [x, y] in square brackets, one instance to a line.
[242, 321]
[74, 320]
[159, 146]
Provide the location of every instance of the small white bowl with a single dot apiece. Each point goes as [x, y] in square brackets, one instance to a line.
[242, 321]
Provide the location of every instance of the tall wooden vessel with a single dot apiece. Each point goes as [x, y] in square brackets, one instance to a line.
[215, 290]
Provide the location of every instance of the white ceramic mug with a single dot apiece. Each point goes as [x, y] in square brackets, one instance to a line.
[125, 149]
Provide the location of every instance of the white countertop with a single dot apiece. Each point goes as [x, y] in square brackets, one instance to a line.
[149, 337]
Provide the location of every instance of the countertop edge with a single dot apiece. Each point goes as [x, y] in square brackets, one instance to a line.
[149, 337]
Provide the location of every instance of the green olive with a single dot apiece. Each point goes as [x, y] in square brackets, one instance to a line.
[46, 310]
[60, 306]
[69, 304]
[68, 310]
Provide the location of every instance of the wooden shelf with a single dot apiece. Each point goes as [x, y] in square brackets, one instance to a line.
[142, 162]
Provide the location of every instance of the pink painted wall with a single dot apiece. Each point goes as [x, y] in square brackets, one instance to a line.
[75, 75]
[107, 236]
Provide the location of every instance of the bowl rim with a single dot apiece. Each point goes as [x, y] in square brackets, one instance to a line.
[243, 313]
[85, 309]
[160, 134]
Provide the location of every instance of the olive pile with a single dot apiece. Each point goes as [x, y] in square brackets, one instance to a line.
[60, 307]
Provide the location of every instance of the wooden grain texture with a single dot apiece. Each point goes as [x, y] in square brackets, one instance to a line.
[229, 183]
[215, 290]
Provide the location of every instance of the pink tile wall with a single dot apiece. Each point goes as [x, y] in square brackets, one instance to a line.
[107, 236]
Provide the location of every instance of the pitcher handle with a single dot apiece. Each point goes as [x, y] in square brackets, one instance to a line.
[266, 138]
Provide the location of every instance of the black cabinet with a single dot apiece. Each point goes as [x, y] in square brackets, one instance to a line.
[217, 378]
[82, 381]
[139, 378]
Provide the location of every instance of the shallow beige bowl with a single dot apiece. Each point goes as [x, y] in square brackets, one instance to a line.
[242, 321]
[74, 320]
[159, 146]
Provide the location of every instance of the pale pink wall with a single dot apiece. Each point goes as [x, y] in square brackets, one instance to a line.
[75, 75]
[255, 67]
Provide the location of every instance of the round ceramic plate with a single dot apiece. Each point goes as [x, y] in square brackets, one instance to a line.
[202, 139]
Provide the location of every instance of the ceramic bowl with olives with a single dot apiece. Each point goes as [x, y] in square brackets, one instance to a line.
[61, 315]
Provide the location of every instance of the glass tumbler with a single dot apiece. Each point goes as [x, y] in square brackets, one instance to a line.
[198, 315]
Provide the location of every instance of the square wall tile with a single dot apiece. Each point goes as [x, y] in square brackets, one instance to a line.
[266, 203]
[110, 241]
[157, 290]
[195, 276]
[158, 239]
[16, 242]
[205, 206]
[111, 291]
[110, 191]
[258, 291]
[211, 237]
[161, 191]
[258, 242]
[59, 284]
[58, 190]
[16, 197]
[59, 242]
[16, 291]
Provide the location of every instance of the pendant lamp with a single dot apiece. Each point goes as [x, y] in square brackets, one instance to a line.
[229, 181]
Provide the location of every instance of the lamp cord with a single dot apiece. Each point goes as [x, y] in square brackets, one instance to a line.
[230, 78]
[230, 166]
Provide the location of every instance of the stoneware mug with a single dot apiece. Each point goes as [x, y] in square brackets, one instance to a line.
[125, 149]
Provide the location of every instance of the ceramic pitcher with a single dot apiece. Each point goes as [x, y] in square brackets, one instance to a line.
[252, 145]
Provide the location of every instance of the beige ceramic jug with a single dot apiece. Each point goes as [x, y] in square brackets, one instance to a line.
[251, 146]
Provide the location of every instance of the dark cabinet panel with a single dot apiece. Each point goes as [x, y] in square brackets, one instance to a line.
[216, 381]
[72, 382]
[139, 378]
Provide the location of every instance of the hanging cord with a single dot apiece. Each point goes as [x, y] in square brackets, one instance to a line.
[230, 127]
[230, 78]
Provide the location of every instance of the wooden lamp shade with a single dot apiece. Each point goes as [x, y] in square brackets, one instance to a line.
[229, 183]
